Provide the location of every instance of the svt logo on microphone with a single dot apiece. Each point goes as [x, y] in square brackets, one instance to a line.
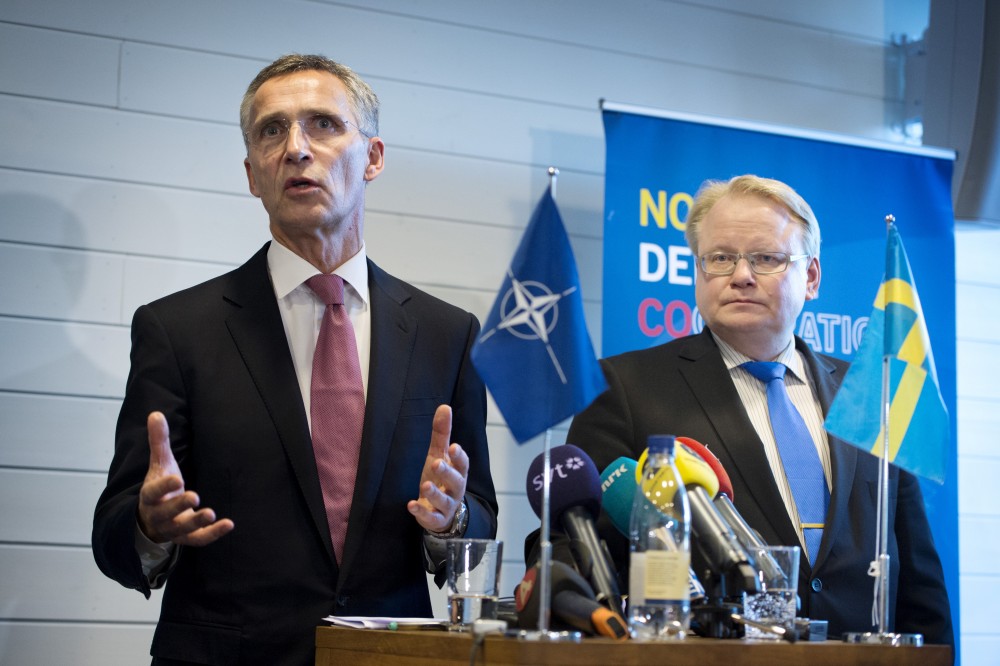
[560, 470]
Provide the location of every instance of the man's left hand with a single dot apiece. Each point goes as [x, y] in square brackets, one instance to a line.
[442, 483]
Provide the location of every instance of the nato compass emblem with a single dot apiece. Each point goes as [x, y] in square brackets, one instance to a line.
[530, 311]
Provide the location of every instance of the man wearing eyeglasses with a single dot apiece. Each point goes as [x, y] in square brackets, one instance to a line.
[271, 463]
[757, 244]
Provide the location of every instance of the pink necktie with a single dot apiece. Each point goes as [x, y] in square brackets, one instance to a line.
[337, 407]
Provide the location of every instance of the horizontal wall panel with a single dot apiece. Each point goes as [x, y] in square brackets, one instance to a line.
[977, 312]
[120, 145]
[977, 367]
[63, 583]
[88, 644]
[863, 18]
[61, 284]
[979, 555]
[978, 425]
[38, 508]
[57, 432]
[979, 648]
[33, 63]
[663, 31]
[86, 213]
[188, 84]
[460, 254]
[548, 70]
[976, 250]
[978, 593]
[481, 191]
[977, 475]
[53, 357]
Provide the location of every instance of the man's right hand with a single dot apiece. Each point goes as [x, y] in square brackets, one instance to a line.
[168, 512]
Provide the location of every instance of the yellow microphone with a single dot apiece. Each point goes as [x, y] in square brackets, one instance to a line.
[691, 467]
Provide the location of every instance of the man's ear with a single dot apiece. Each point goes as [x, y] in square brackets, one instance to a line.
[813, 275]
[251, 181]
[376, 158]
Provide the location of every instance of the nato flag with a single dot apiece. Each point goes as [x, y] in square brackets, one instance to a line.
[534, 352]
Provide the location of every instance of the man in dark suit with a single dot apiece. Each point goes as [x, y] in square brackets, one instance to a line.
[757, 247]
[215, 488]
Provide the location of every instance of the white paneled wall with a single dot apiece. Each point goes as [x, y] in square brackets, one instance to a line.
[121, 181]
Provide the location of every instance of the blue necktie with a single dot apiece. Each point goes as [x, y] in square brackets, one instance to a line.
[798, 454]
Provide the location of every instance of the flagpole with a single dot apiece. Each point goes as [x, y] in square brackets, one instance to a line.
[545, 563]
[880, 567]
[545, 556]
[883, 489]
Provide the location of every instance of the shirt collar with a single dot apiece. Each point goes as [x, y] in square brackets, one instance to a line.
[288, 271]
[789, 356]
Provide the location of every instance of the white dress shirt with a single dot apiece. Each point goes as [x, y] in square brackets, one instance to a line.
[753, 394]
[302, 311]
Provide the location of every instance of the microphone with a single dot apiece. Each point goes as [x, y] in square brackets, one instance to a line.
[573, 604]
[699, 449]
[618, 485]
[720, 550]
[746, 535]
[575, 502]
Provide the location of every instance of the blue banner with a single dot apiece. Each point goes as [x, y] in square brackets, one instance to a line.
[655, 163]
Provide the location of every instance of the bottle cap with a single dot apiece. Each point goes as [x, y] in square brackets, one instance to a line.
[660, 444]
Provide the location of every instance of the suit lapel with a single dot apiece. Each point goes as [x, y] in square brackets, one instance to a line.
[259, 334]
[709, 380]
[393, 332]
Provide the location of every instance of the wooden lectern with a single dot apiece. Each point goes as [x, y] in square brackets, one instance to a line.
[376, 647]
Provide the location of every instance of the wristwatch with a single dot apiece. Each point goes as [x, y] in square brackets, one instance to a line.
[458, 523]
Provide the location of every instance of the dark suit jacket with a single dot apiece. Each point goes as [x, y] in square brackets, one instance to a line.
[214, 359]
[683, 388]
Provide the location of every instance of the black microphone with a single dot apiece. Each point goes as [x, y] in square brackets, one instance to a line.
[573, 604]
[575, 502]
[746, 535]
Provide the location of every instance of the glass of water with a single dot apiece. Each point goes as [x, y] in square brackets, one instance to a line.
[776, 603]
[473, 580]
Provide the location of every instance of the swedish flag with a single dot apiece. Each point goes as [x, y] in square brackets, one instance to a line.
[918, 419]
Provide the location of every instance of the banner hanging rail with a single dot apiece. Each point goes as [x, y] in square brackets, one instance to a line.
[783, 130]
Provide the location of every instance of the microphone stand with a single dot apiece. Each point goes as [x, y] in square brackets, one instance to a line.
[879, 569]
[545, 563]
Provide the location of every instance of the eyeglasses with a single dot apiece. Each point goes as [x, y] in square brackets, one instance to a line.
[761, 263]
[273, 133]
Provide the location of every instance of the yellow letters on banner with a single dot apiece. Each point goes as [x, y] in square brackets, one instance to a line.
[661, 210]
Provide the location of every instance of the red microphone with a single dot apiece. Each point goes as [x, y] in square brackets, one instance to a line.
[725, 484]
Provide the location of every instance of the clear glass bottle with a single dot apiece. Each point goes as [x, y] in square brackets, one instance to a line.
[659, 607]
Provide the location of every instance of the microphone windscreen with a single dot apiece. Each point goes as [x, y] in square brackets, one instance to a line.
[692, 469]
[725, 484]
[618, 491]
[574, 482]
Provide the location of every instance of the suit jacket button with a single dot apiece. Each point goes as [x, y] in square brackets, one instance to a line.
[816, 584]
[342, 600]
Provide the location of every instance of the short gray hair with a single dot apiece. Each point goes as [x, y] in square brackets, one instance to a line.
[363, 99]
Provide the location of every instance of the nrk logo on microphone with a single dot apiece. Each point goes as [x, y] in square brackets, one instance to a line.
[612, 474]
